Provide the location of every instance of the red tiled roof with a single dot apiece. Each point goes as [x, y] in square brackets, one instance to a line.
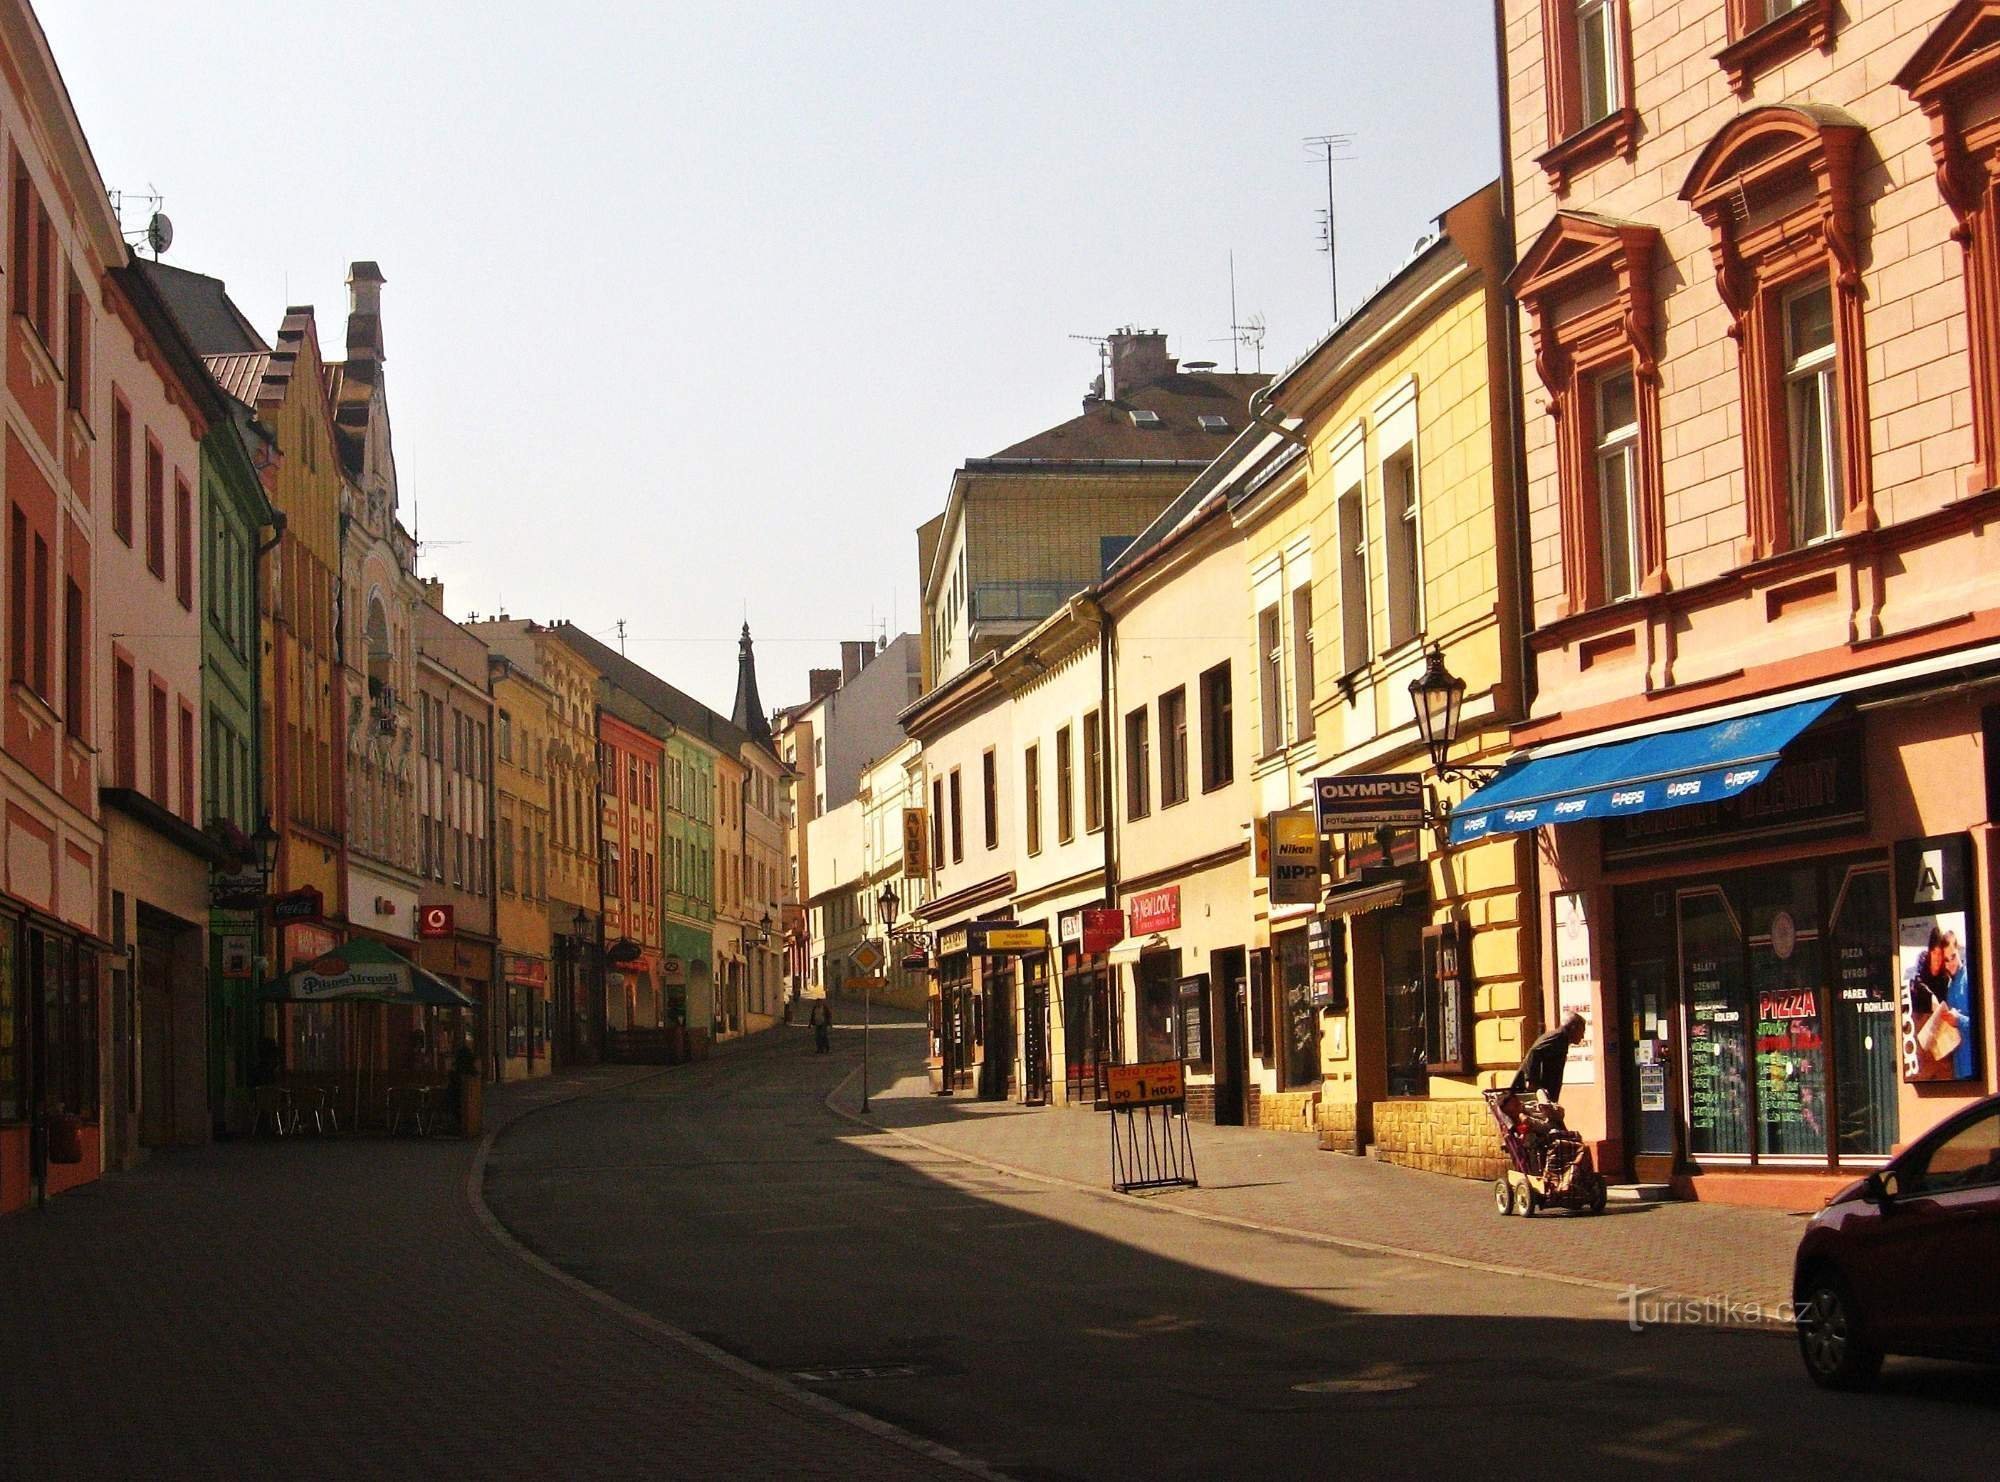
[241, 375]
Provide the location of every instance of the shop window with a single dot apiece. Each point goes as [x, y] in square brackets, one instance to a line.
[1952, 77]
[1777, 189]
[1766, 33]
[1587, 287]
[1587, 70]
[1159, 1037]
[1868, 1074]
[1093, 772]
[1408, 1021]
[1260, 1003]
[13, 1024]
[1299, 1015]
[1218, 729]
[1173, 747]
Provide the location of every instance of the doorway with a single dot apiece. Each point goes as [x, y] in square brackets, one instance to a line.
[996, 1069]
[1649, 1020]
[1229, 1013]
[157, 1049]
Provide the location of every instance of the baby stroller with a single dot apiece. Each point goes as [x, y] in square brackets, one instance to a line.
[1548, 1165]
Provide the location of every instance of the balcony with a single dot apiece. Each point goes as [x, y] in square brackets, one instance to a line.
[1020, 601]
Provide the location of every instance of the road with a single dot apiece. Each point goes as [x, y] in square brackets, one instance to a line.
[1057, 1334]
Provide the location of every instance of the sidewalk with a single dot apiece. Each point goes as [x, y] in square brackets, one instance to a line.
[306, 1308]
[1284, 1181]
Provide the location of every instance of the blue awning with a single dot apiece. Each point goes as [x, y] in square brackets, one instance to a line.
[1667, 769]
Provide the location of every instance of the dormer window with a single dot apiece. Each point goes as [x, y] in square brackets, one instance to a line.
[1144, 418]
[1212, 422]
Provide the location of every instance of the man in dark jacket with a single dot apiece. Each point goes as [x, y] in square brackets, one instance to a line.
[1542, 1068]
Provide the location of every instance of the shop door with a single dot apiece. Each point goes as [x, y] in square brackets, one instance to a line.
[997, 1069]
[1406, 1011]
[1649, 1031]
[1228, 1013]
[1035, 1035]
[156, 1037]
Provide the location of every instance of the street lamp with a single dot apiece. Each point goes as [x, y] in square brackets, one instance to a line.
[1437, 694]
[266, 842]
[888, 905]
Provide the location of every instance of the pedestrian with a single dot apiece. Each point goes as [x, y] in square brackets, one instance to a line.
[822, 1023]
[1547, 1058]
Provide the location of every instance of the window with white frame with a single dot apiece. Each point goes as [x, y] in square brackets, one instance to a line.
[1302, 662]
[1271, 679]
[1812, 414]
[1599, 86]
[1401, 541]
[1353, 533]
[1617, 483]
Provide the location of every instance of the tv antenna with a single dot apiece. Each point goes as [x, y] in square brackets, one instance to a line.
[1326, 149]
[1244, 334]
[158, 232]
[621, 636]
[1103, 359]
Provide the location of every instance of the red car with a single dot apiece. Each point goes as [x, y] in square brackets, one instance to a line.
[1905, 1260]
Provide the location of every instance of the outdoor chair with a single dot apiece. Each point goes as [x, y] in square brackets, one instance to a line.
[273, 1106]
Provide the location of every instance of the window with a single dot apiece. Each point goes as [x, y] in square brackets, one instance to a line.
[1968, 1158]
[1617, 425]
[1596, 61]
[506, 854]
[156, 737]
[1218, 730]
[1812, 414]
[1031, 796]
[1065, 788]
[39, 612]
[1588, 85]
[1138, 765]
[17, 594]
[1766, 33]
[183, 544]
[937, 821]
[187, 763]
[76, 344]
[1173, 747]
[1093, 772]
[506, 736]
[1302, 662]
[1587, 285]
[1777, 187]
[76, 698]
[957, 819]
[124, 723]
[156, 511]
[989, 773]
[1352, 523]
[121, 469]
[1402, 541]
[1271, 679]
[21, 256]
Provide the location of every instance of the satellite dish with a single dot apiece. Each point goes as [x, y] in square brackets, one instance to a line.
[159, 233]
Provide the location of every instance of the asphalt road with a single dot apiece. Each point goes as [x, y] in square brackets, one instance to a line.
[1054, 1334]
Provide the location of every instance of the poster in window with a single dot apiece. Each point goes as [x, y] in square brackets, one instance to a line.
[1575, 985]
[1448, 991]
[1935, 952]
[1299, 1013]
[1193, 995]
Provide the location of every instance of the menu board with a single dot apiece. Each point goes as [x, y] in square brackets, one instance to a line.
[1301, 1013]
[1791, 1071]
[1718, 1089]
[1193, 995]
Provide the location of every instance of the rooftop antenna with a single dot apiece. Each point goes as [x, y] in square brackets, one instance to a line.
[1103, 358]
[1326, 149]
[620, 625]
[158, 232]
[1243, 333]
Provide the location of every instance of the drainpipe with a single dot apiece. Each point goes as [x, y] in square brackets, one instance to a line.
[1260, 413]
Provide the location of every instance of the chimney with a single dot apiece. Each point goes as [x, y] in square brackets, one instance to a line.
[854, 658]
[364, 312]
[433, 591]
[1138, 359]
[822, 682]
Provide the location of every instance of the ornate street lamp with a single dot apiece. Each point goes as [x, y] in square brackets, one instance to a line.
[1437, 694]
[890, 904]
[266, 842]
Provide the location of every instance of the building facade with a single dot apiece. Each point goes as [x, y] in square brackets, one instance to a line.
[523, 737]
[1755, 276]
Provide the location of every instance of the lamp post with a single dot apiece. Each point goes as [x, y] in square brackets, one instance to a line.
[1438, 696]
[579, 968]
[888, 904]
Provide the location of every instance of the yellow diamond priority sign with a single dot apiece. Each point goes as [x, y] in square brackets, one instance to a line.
[866, 958]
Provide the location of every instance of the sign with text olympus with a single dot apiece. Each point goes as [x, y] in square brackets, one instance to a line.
[1367, 801]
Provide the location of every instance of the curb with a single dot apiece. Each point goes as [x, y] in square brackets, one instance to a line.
[475, 1198]
[1288, 1232]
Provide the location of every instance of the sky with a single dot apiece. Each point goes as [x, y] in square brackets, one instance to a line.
[691, 311]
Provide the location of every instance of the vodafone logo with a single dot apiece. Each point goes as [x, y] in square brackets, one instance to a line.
[434, 921]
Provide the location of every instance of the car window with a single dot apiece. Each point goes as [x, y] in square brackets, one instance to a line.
[1969, 1158]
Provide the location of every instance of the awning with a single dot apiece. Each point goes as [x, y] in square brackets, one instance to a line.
[362, 971]
[1373, 889]
[1666, 769]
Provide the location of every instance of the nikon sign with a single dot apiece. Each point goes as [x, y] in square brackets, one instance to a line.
[1362, 802]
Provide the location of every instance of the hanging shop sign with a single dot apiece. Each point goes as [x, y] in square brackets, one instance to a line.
[916, 842]
[1936, 958]
[1297, 849]
[993, 938]
[1819, 786]
[1368, 800]
[303, 904]
[673, 972]
[238, 956]
[434, 921]
[1156, 910]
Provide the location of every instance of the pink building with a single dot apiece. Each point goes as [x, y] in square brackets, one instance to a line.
[1758, 278]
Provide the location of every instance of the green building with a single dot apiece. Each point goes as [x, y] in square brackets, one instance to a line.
[687, 807]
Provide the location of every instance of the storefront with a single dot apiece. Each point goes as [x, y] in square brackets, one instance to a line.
[50, 1025]
[1190, 994]
[1785, 973]
[955, 1037]
[526, 1024]
[1089, 1023]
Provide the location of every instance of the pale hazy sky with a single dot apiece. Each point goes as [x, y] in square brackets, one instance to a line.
[692, 310]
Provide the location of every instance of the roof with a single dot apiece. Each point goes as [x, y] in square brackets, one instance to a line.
[240, 375]
[178, 358]
[1105, 429]
[208, 317]
[687, 713]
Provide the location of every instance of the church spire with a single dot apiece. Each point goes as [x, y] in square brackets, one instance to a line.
[749, 716]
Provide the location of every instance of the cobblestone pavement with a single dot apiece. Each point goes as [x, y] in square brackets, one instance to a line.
[1284, 1180]
[337, 1309]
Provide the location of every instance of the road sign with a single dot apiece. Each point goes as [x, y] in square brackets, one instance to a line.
[868, 982]
[866, 957]
[1151, 1083]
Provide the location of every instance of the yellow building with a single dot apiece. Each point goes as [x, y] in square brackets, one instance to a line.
[301, 721]
[1385, 544]
[523, 740]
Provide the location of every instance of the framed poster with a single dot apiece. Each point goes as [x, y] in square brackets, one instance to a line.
[1193, 1011]
[1936, 959]
[1448, 990]
[1575, 984]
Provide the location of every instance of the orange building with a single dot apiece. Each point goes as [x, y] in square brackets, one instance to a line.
[629, 762]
